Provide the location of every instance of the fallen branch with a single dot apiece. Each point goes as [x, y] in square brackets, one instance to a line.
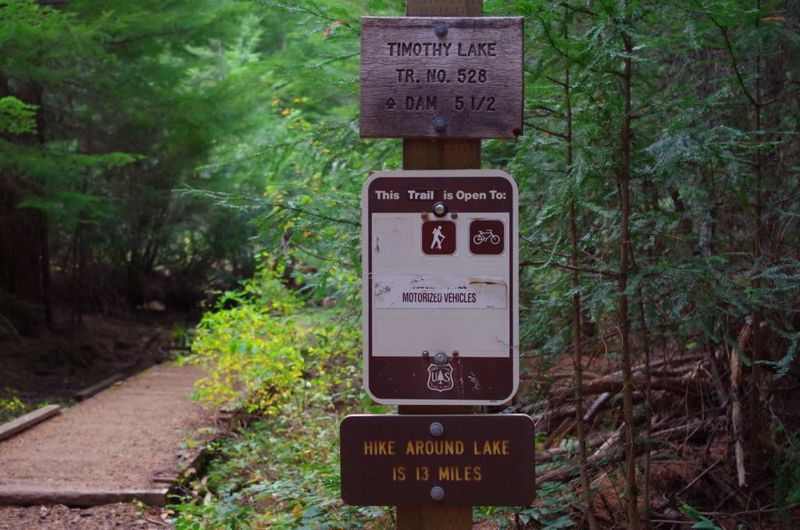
[736, 404]
[677, 385]
[570, 470]
[658, 364]
[607, 446]
[548, 417]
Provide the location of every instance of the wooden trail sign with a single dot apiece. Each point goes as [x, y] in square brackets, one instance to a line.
[439, 253]
[441, 77]
[437, 460]
[440, 131]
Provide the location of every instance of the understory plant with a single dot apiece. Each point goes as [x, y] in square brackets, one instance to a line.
[261, 350]
[280, 472]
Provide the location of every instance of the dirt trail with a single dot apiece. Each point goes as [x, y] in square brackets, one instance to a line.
[119, 445]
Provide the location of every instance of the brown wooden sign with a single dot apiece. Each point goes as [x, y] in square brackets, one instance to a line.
[448, 77]
[437, 460]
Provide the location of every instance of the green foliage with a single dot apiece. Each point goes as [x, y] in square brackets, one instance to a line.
[552, 509]
[280, 473]
[262, 353]
[703, 522]
[16, 117]
[11, 408]
[129, 98]
[787, 472]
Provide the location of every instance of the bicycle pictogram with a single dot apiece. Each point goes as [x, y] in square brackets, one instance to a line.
[486, 235]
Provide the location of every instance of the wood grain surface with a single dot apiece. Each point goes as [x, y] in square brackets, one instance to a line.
[439, 154]
[469, 79]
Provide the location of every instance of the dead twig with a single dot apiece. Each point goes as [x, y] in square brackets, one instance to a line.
[736, 404]
[597, 406]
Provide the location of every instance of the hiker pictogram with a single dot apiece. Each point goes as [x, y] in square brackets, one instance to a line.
[438, 237]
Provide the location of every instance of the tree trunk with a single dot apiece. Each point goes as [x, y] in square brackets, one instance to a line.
[24, 244]
[577, 324]
[631, 491]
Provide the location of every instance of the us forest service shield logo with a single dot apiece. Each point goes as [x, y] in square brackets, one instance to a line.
[440, 377]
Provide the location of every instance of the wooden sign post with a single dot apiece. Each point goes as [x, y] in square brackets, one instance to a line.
[441, 79]
[439, 154]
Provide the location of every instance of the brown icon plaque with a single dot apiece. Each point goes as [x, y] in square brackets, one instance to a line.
[438, 237]
[486, 237]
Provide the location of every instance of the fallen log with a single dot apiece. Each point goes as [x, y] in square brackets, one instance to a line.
[570, 470]
[597, 406]
[544, 419]
[606, 448]
[676, 385]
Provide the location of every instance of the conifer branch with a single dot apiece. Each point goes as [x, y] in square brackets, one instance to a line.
[545, 131]
[539, 263]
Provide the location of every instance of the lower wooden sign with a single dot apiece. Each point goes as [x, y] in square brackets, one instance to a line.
[437, 460]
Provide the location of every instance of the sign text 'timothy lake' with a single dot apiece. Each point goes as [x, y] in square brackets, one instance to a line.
[441, 77]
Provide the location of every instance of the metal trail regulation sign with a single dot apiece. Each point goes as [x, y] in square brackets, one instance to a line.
[440, 287]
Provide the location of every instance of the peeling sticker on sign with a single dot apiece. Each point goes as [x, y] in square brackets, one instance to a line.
[439, 292]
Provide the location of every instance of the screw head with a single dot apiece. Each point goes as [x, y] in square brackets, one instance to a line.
[439, 209]
[437, 493]
[426, 354]
[440, 124]
[440, 357]
[436, 429]
[440, 29]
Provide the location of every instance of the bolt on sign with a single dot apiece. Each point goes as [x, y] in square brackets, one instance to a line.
[440, 287]
[427, 77]
[437, 460]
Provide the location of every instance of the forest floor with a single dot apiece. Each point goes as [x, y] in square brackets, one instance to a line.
[59, 517]
[692, 477]
[56, 367]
